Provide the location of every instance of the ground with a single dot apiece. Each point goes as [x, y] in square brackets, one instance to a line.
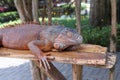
[17, 69]
[14, 69]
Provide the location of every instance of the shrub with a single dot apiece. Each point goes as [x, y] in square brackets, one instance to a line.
[96, 36]
[65, 22]
[8, 16]
[90, 34]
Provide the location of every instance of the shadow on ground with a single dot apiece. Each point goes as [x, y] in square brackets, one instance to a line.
[21, 72]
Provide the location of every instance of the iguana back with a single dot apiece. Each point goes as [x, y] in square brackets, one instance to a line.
[19, 36]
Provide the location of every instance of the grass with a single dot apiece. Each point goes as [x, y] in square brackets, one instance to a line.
[10, 23]
[68, 22]
[7, 13]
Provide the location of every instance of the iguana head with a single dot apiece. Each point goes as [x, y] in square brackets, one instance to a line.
[66, 38]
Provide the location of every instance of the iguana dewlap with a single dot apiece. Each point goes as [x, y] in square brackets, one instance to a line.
[39, 38]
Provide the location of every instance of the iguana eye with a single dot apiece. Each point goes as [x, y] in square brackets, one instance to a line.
[69, 34]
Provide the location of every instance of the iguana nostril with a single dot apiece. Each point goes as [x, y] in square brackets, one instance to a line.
[56, 45]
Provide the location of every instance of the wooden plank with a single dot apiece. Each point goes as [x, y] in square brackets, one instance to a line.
[81, 56]
[74, 57]
[92, 48]
[71, 57]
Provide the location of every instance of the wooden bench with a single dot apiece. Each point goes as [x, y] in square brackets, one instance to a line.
[87, 54]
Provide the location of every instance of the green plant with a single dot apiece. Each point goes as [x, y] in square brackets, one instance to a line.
[90, 34]
[83, 6]
[8, 16]
[96, 36]
[10, 23]
[65, 22]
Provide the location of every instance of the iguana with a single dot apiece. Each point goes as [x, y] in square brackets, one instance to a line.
[39, 38]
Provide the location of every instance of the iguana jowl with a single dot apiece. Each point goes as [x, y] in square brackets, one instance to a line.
[39, 38]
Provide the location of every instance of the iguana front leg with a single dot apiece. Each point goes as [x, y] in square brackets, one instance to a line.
[36, 47]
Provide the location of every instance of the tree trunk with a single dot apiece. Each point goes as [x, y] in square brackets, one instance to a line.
[118, 11]
[100, 13]
[35, 10]
[49, 10]
[21, 12]
[43, 14]
[77, 69]
[24, 9]
[27, 7]
[78, 11]
[113, 36]
[113, 28]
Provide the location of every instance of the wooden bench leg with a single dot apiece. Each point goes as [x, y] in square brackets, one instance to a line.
[112, 74]
[77, 72]
[53, 73]
[35, 71]
[43, 76]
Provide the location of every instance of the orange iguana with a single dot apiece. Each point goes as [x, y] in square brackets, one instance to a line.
[39, 38]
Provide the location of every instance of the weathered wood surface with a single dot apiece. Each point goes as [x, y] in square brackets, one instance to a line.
[92, 48]
[86, 55]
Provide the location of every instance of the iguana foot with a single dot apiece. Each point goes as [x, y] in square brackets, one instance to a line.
[43, 61]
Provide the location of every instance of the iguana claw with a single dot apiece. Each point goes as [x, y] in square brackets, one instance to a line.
[43, 61]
